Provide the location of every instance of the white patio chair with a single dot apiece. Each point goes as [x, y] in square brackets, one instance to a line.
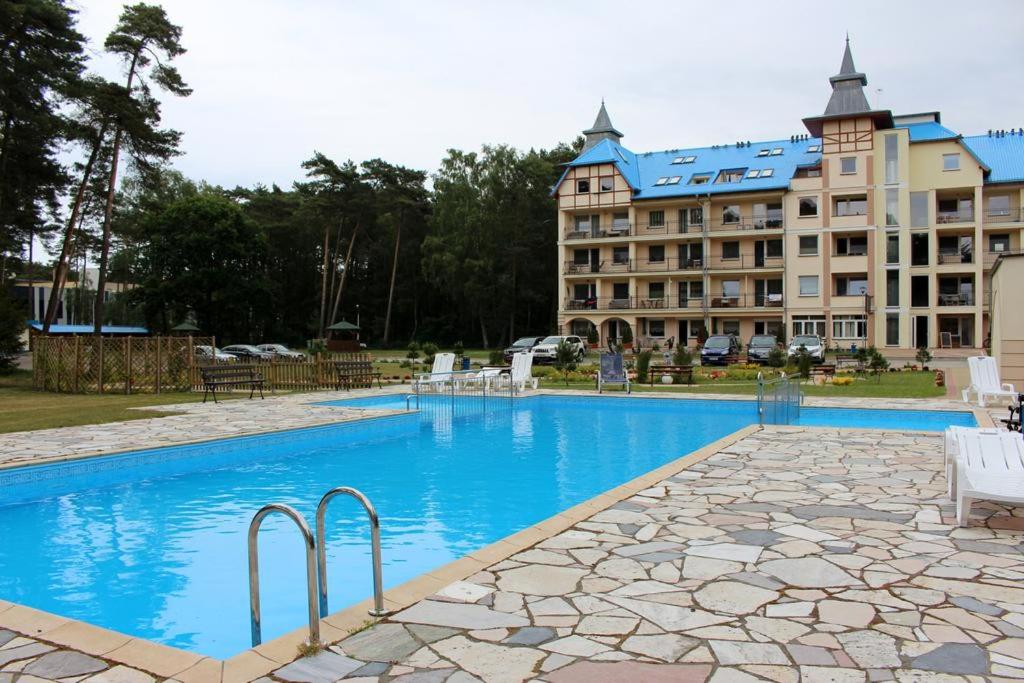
[985, 380]
[987, 465]
[440, 372]
[522, 371]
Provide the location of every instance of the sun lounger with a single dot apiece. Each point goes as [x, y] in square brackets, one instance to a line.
[440, 373]
[611, 371]
[985, 380]
[983, 464]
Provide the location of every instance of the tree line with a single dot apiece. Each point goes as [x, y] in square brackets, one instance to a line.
[464, 254]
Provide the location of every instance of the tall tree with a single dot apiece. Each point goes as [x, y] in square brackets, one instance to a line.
[41, 61]
[144, 37]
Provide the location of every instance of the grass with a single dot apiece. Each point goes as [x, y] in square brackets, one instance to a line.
[25, 409]
[886, 385]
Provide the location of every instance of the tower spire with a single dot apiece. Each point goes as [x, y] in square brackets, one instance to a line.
[848, 98]
[601, 130]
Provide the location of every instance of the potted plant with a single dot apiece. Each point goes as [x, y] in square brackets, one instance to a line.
[923, 357]
[627, 337]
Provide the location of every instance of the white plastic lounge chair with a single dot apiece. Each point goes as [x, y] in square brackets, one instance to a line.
[951, 449]
[522, 371]
[987, 466]
[440, 372]
[985, 380]
[611, 371]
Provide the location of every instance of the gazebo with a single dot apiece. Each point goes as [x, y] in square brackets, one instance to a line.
[185, 329]
[343, 336]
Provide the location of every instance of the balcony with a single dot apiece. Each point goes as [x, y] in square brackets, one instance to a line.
[669, 228]
[745, 301]
[946, 258]
[745, 261]
[588, 232]
[668, 265]
[773, 221]
[633, 303]
[1004, 216]
[956, 298]
[953, 217]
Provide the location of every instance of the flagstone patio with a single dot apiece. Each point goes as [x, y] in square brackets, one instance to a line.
[793, 554]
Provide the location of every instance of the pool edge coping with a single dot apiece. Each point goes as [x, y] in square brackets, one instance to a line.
[190, 667]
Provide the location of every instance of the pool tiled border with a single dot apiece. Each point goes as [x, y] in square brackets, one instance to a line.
[189, 667]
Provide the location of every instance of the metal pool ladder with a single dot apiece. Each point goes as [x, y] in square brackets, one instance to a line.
[316, 561]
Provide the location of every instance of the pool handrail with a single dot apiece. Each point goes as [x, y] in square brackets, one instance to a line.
[321, 551]
[254, 571]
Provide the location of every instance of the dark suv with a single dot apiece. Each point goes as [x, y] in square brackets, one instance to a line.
[520, 345]
[760, 346]
[718, 348]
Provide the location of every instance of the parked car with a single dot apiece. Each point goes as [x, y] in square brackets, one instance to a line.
[520, 345]
[718, 348]
[247, 352]
[204, 352]
[281, 351]
[546, 350]
[760, 346]
[812, 342]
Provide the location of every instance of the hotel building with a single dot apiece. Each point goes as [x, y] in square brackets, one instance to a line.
[865, 228]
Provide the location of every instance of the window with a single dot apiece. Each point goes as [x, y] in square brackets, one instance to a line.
[919, 209]
[773, 249]
[999, 205]
[583, 186]
[684, 160]
[850, 206]
[808, 206]
[919, 291]
[809, 324]
[776, 151]
[582, 223]
[730, 214]
[730, 175]
[674, 180]
[814, 149]
[656, 219]
[620, 256]
[892, 166]
[700, 179]
[892, 329]
[620, 291]
[808, 285]
[607, 184]
[730, 250]
[956, 249]
[892, 248]
[808, 172]
[951, 162]
[919, 249]
[847, 165]
[620, 220]
[764, 152]
[580, 257]
[691, 218]
[856, 245]
[808, 245]
[997, 244]
[849, 327]
[767, 173]
[753, 174]
[656, 254]
[892, 206]
[892, 288]
[696, 289]
[656, 328]
[656, 290]
[731, 327]
[731, 289]
[768, 215]
[661, 181]
[851, 285]
[677, 160]
[954, 209]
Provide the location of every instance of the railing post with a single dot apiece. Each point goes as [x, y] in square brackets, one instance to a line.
[321, 551]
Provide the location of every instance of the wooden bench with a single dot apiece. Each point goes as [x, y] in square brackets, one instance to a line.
[230, 375]
[848, 360]
[823, 371]
[684, 371]
[351, 374]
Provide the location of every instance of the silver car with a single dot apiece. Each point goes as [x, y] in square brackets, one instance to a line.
[812, 342]
[281, 351]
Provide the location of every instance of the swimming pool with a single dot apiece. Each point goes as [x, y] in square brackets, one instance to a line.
[152, 543]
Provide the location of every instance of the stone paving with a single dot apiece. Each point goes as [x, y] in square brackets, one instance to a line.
[794, 554]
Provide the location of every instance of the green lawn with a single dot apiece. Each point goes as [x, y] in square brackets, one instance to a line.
[25, 409]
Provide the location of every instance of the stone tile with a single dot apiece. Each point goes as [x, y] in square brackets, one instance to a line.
[531, 635]
[737, 552]
[323, 667]
[489, 661]
[870, 648]
[597, 672]
[63, 664]
[540, 580]
[953, 658]
[380, 643]
[733, 597]
[606, 626]
[854, 614]
[668, 647]
[808, 572]
[14, 653]
[732, 652]
[458, 616]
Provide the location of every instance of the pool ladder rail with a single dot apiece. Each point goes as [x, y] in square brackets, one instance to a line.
[316, 561]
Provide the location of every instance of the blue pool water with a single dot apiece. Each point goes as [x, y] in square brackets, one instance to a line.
[152, 543]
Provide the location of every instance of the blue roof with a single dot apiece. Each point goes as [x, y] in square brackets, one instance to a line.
[88, 329]
[929, 131]
[642, 171]
[1004, 155]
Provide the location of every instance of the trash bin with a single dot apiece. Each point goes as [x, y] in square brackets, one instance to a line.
[465, 362]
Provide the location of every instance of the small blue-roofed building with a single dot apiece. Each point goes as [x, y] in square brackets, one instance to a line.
[863, 227]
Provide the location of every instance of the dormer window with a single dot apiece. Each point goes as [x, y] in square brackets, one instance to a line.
[730, 175]
[700, 179]
[583, 186]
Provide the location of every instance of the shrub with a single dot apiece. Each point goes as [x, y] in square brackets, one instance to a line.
[876, 362]
[12, 322]
[842, 381]
[656, 347]
[414, 351]
[459, 350]
[430, 350]
[496, 357]
[923, 356]
[592, 335]
[565, 359]
[627, 335]
[776, 358]
[682, 356]
[803, 362]
[643, 363]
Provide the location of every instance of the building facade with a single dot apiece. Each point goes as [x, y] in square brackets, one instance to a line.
[866, 228]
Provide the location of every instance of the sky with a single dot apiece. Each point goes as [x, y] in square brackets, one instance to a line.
[275, 81]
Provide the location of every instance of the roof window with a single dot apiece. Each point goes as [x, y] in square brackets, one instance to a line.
[764, 152]
[684, 160]
[700, 179]
[767, 172]
[753, 173]
[776, 151]
[813, 148]
[661, 181]
[674, 180]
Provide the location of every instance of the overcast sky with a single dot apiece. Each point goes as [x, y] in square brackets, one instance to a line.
[405, 81]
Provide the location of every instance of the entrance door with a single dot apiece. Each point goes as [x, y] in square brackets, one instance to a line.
[684, 330]
[613, 330]
[595, 260]
[920, 331]
[759, 254]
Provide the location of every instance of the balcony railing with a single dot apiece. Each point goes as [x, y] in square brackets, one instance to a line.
[731, 301]
[744, 261]
[744, 301]
[772, 221]
[946, 258]
[589, 232]
[956, 299]
[1004, 216]
[665, 265]
[946, 217]
[836, 254]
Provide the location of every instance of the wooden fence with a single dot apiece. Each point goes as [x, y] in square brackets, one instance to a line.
[127, 365]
